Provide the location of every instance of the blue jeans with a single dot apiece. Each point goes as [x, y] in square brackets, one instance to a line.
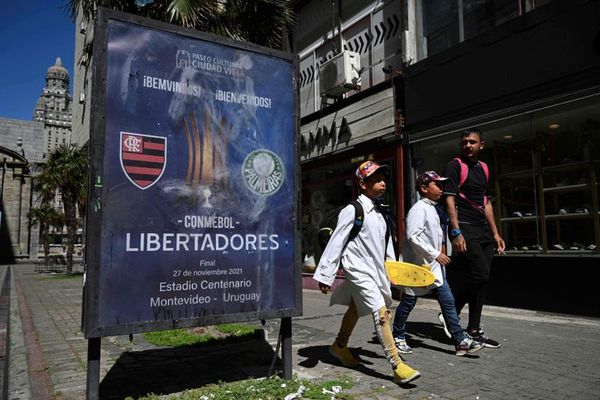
[443, 294]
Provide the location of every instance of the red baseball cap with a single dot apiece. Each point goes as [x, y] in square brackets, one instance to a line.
[368, 168]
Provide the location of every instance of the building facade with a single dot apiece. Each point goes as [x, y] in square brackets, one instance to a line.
[20, 147]
[529, 78]
[53, 108]
[527, 73]
[346, 122]
[82, 81]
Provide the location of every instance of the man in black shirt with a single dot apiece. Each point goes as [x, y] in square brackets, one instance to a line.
[473, 231]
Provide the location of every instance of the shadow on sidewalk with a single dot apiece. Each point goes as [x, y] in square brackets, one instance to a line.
[172, 370]
[316, 354]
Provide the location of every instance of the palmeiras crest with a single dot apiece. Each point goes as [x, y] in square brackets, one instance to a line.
[143, 158]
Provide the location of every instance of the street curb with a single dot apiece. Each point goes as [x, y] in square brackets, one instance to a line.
[41, 383]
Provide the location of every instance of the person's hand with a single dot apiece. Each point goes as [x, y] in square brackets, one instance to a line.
[500, 245]
[324, 288]
[443, 259]
[459, 244]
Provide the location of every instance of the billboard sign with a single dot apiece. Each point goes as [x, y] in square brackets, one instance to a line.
[194, 180]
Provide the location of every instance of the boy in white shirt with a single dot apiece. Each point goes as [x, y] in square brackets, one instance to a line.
[423, 244]
[366, 288]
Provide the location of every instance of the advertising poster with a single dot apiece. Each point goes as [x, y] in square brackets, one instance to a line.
[198, 184]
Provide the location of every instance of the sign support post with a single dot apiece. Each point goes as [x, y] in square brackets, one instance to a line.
[92, 391]
[286, 347]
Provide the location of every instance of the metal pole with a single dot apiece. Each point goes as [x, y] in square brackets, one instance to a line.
[19, 223]
[92, 391]
[286, 347]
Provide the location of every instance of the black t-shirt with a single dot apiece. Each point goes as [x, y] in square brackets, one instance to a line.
[475, 188]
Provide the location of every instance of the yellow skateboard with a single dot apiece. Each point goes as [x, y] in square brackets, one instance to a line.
[406, 274]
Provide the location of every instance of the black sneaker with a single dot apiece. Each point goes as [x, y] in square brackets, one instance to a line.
[480, 336]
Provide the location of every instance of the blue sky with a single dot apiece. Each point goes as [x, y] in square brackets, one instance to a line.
[32, 34]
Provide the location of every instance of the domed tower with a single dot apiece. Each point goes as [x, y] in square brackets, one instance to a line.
[53, 108]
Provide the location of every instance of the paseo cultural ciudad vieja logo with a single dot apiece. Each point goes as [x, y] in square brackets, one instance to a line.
[204, 62]
[263, 172]
[143, 158]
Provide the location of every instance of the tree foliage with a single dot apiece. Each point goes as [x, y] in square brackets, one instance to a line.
[65, 172]
[46, 217]
[263, 22]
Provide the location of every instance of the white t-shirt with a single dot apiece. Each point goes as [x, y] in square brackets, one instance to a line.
[363, 260]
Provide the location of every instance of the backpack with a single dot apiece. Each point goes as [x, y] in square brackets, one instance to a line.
[464, 172]
[324, 234]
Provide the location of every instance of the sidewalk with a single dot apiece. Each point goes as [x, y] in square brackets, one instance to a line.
[542, 356]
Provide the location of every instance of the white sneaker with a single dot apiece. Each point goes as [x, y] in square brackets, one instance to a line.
[402, 346]
[443, 321]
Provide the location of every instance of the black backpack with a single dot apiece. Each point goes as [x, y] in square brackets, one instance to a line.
[324, 234]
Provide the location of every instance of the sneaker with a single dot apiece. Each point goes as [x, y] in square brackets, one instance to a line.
[344, 355]
[443, 322]
[404, 374]
[468, 346]
[480, 336]
[402, 347]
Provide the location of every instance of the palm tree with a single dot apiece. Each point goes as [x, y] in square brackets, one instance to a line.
[46, 217]
[65, 171]
[263, 22]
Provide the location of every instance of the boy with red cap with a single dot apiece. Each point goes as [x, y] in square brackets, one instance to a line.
[423, 244]
[366, 288]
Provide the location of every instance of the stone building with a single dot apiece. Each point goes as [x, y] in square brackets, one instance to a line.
[53, 108]
[20, 146]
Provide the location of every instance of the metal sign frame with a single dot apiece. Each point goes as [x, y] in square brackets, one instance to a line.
[92, 290]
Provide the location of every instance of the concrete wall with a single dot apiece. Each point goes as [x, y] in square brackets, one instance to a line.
[82, 84]
[17, 238]
[32, 134]
[550, 51]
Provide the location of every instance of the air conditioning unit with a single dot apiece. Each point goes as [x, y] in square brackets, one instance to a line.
[340, 74]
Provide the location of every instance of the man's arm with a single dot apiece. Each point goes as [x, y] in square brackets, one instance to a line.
[458, 242]
[489, 216]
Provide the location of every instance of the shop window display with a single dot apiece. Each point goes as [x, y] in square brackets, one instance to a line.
[545, 168]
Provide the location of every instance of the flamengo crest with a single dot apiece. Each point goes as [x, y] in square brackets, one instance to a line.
[143, 158]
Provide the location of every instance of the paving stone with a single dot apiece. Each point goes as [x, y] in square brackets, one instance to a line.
[536, 350]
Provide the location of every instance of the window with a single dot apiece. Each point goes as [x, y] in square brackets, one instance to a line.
[545, 168]
[440, 24]
[445, 23]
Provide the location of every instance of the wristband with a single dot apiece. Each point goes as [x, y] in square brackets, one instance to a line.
[454, 233]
